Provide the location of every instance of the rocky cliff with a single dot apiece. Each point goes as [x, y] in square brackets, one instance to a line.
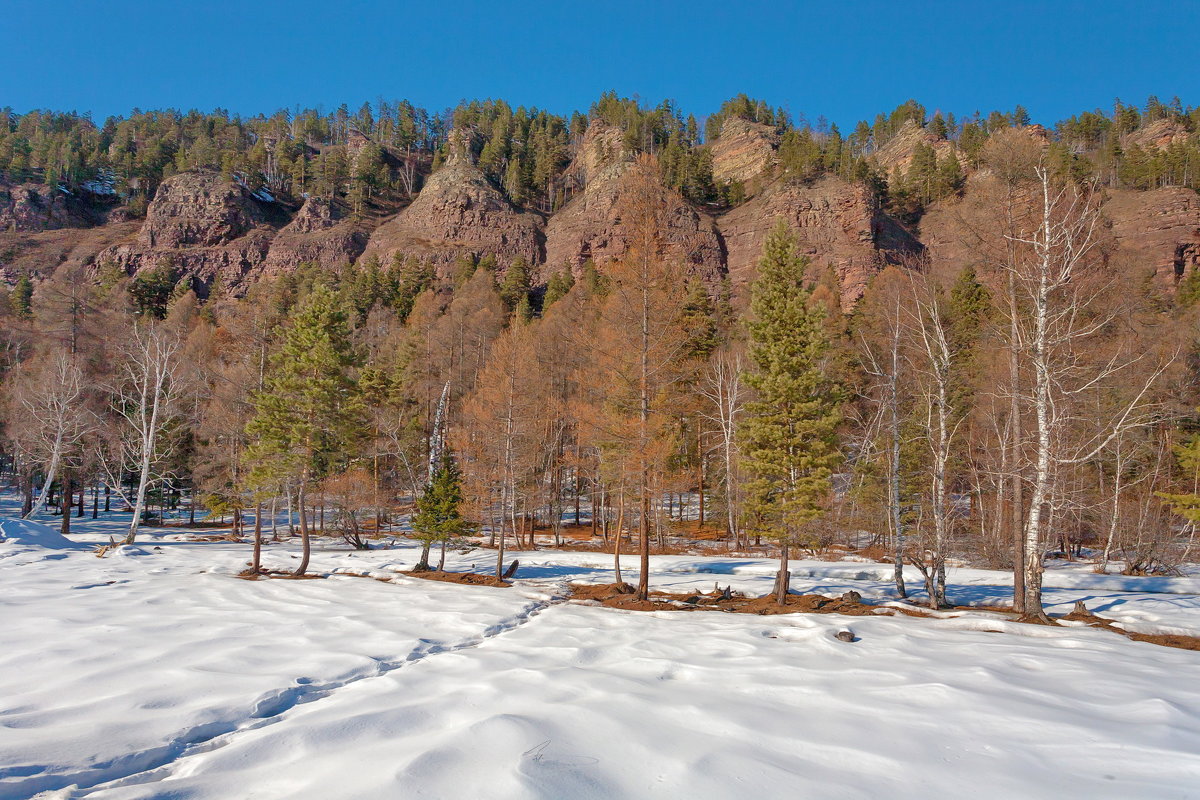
[1157, 232]
[837, 224]
[591, 227]
[460, 211]
[31, 207]
[217, 230]
[204, 227]
[744, 151]
[319, 233]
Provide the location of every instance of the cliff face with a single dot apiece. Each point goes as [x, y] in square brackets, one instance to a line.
[317, 234]
[1157, 232]
[898, 152]
[202, 226]
[29, 207]
[744, 151]
[837, 224]
[590, 225]
[217, 230]
[460, 211]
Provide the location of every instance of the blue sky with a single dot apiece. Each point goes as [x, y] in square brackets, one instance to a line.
[842, 60]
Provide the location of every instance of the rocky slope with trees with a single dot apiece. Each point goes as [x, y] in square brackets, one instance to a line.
[967, 339]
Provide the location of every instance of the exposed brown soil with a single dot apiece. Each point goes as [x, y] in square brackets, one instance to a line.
[610, 595]
[250, 575]
[469, 578]
[1164, 639]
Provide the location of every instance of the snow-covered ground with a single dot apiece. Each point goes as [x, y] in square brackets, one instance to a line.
[155, 673]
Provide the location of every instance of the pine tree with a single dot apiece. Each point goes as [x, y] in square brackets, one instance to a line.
[438, 515]
[789, 432]
[516, 284]
[557, 287]
[310, 412]
[22, 297]
[969, 309]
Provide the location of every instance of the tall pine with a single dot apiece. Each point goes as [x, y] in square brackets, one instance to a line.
[789, 431]
[309, 413]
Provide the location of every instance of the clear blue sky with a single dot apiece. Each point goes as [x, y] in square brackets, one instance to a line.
[843, 60]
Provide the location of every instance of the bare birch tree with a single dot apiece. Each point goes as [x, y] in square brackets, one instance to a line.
[145, 396]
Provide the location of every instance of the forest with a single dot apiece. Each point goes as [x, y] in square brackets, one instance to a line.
[1036, 402]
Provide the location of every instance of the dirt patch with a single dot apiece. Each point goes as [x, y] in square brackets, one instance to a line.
[469, 578]
[228, 537]
[611, 595]
[1164, 639]
[266, 574]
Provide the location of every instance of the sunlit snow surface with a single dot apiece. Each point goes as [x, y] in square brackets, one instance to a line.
[154, 673]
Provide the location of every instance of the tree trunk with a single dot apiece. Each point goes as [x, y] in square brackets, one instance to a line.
[306, 545]
[783, 580]
[1017, 511]
[256, 562]
[643, 589]
[68, 499]
[617, 540]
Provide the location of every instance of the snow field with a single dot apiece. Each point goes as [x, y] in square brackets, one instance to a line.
[159, 675]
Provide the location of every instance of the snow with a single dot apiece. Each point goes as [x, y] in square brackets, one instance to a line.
[164, 675]
[33, 534]
[103, 184]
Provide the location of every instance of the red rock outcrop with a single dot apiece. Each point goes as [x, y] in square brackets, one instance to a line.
[460, 211]
[836, 223]
[590, 225]
[898, 152]
[1157, 232]
[1158, 135]
[36, 207]
[317, 234]
[204, 227]
[744, 151]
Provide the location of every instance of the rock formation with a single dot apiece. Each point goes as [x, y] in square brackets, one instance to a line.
[1158, 135]
[590, 226]
[836, 223]
[744, 151]
[204, 227]
[460, 211]
[898, 152]
[37, 207]
[317, 234]
[1157, 232]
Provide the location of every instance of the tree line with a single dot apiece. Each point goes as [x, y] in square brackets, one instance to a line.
[382, 148]
[1029, 405]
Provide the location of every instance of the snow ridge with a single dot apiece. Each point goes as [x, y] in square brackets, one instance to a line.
[159, 763]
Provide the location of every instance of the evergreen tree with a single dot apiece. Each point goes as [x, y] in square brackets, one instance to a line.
[557, 287]
[438, 515]
[1187, 292]
[516, 284]
[22, 297]
[789, 432]
[310, 411]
